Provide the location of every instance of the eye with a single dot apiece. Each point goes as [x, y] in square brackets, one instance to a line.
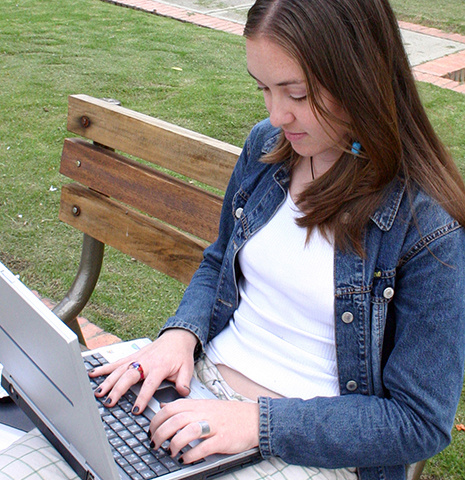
[299, 98]
[262, 88]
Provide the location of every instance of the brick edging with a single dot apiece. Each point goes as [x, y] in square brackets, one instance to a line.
[179, 13]
[94, 336]
[434, 32]
[436, 71]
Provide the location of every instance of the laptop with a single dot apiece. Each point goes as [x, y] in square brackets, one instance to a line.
[44, 372]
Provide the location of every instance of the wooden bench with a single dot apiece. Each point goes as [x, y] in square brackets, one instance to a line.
[119, 200]
[160, 220]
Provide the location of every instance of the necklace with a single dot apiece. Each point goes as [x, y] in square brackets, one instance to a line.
[311, 166]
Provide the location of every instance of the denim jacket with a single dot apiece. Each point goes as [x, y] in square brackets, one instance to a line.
[399, 320]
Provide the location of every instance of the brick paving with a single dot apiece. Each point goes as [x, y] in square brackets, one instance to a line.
[179, 13]
[439, 71]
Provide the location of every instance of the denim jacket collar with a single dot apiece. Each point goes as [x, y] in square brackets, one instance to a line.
[385, 215]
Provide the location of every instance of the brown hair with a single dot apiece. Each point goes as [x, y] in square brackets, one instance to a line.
[353, 48]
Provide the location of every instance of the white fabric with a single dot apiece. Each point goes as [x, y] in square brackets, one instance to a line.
[33, 458]
[282, 336]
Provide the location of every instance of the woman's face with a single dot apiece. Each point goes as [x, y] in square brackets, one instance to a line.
[284, 88]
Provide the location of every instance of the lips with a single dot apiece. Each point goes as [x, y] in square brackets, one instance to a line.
[294, 137]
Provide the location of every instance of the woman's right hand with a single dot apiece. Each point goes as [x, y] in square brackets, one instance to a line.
[169, 357]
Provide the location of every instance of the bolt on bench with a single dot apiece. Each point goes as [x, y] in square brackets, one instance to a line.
[153, 216]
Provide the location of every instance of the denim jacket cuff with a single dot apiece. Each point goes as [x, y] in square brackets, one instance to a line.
[185, 326]
[264, 442]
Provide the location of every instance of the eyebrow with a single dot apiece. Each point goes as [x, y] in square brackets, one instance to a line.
[280, 84]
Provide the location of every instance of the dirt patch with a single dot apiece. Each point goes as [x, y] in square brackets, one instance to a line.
[15, 264]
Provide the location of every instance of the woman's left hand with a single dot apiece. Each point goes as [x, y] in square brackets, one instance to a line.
[233, 427]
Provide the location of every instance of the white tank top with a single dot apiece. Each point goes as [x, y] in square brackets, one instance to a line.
[282, 335]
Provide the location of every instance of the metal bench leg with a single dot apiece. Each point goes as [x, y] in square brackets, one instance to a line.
[414, 470]
[83, 286]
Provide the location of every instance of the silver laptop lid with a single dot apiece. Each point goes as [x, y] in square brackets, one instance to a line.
[55, 386]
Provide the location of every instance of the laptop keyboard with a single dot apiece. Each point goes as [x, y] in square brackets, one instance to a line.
[128, 435]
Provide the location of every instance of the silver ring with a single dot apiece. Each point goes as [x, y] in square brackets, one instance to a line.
[205, 427]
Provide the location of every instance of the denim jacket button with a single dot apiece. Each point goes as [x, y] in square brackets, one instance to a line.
[238, 212]
[388, 293]
[351, 385]
[347, 317]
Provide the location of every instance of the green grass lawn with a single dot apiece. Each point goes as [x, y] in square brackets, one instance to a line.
[179, 72]
[448, 15]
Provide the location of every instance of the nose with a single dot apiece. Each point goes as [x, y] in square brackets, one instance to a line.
[279, 112]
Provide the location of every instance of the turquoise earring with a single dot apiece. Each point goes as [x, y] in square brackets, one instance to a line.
[356, 147]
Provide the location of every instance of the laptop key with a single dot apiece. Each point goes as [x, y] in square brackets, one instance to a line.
[129, 470]
[118, 413]
[140, 450]
[132, 442]
[126, 406]
[124, 450]
[170, 463]
[132, 458]
[117, 442]
[159, 469]
[142, 421]
[121, 461]
[148, 475]
[126, 435]
[140, 466]
[127, 422]
[134, 428]
[141, 436]
[130, 396]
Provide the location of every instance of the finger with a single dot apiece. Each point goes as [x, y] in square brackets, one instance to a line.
[110, 381]
[148, 388]
[183, 379]
[192, 431]
[169, 429]
[108, 368]
[201, 450]
[166, 411]
[116, 386]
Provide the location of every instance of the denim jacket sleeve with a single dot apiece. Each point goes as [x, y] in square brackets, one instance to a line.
[422, 376]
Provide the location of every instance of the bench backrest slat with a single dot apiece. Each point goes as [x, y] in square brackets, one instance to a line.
[171, 200]
[147, 240]
[183, 151]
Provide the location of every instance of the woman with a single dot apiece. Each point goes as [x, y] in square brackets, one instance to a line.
[332, 302]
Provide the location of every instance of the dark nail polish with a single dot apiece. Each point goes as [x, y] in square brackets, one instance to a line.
[91, 371]
[107, 401]
[135, 410]
[99, 390]
[152, 444]
[168, 451]
[181, 460]
[149, 434]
